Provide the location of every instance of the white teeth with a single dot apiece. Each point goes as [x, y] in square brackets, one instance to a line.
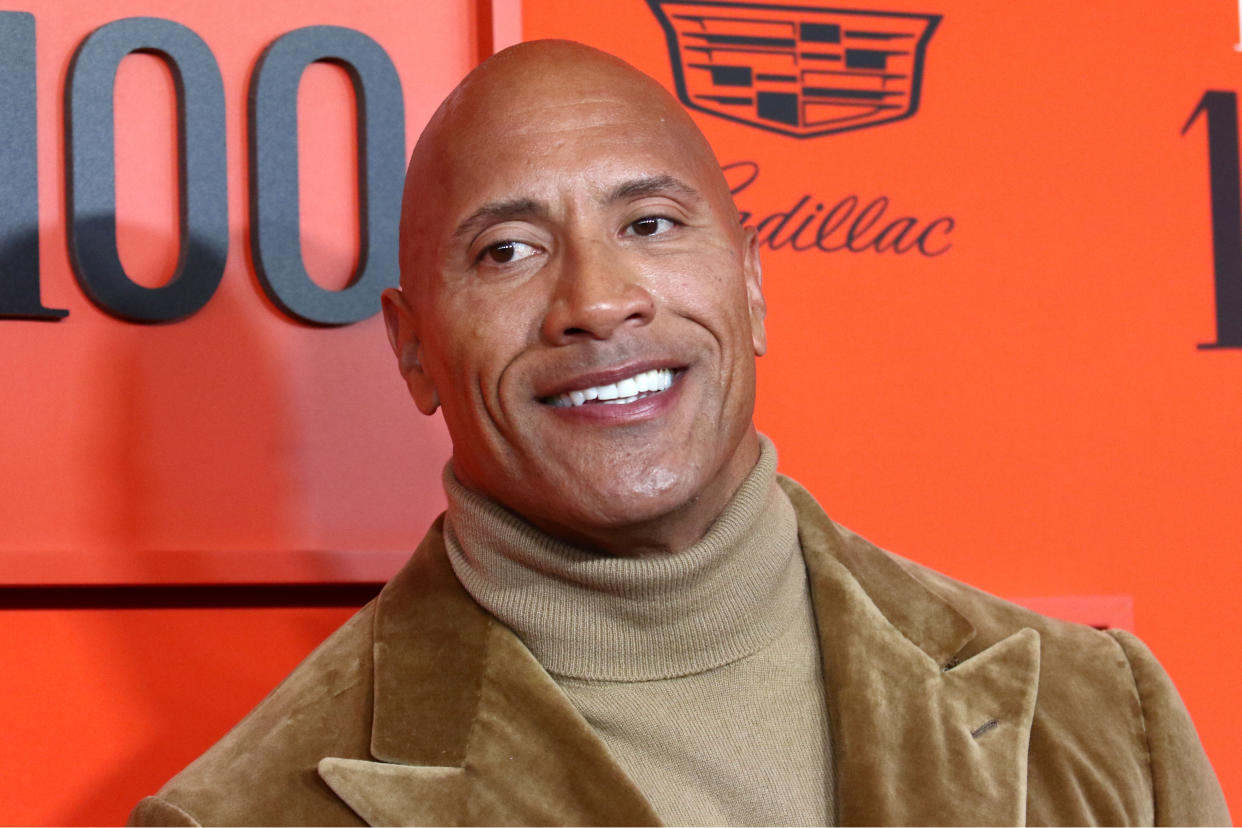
[625, 391]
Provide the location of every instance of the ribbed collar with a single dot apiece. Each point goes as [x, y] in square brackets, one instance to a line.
[605, 618]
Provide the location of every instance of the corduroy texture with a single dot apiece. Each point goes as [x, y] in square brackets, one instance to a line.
[423, 710]
[700, 671]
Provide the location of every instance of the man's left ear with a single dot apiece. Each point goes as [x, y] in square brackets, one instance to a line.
[408, 348]
[752, 269]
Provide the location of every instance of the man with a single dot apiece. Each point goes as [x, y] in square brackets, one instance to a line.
[625, 616]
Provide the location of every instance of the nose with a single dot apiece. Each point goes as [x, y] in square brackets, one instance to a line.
[596, 292]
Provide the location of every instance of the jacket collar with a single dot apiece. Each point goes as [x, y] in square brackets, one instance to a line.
[469, 729]
[917, 737]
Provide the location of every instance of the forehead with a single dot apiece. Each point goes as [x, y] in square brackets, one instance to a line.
[552, 123]
[556, 147]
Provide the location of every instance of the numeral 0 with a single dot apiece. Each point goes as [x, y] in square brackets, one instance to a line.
[274, 219]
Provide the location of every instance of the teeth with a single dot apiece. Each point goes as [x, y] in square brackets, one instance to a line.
[619, 393]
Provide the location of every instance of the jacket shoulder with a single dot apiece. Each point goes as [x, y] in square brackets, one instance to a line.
[1185, 788]
[263, 771]
[1110, 740]
[1109, 724]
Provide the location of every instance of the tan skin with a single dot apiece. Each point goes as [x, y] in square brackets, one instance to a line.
[565, 226]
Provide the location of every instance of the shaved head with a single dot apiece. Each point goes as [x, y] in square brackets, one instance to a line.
[505, 96]
[580, 301]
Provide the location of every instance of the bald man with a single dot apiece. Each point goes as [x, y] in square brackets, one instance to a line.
[625, 615]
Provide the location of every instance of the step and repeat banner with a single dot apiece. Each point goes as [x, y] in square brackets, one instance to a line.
[1002, 249]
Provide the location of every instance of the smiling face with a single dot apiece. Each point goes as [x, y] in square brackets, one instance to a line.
[579, 297]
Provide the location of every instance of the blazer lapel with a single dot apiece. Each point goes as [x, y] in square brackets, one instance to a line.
[467, 727]
[917, 737]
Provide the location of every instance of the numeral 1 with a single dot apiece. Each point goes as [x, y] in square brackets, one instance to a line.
[19, 173]
[1221, 111]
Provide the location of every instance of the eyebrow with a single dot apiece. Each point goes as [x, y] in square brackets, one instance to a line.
[520, 208]
[662, 184]
[498, 211]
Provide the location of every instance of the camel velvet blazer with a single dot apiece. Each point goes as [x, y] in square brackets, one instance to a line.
[946, 706]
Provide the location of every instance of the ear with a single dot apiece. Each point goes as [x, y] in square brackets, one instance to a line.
[408, 348]
[752, 271]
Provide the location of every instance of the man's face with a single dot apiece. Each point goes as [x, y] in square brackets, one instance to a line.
[587, 312]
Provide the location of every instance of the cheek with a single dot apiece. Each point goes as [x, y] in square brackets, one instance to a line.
[491, 332]
[470, 356]
[711, 292]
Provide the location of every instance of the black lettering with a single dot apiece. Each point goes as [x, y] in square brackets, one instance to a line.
[781, 220]
[893, 233]
[275, 224]
[749, 171]
[857, 230]
[843, 226]
[1221, 109]
[806, 222]
[827, 227]
[19, 173]
[91, 170]
[949, 224]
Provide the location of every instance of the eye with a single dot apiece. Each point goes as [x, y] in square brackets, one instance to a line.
[507, 252]
[652, 225]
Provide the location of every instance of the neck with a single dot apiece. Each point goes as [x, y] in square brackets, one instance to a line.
[624, 618]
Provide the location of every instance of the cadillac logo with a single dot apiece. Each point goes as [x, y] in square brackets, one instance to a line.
[798, 70]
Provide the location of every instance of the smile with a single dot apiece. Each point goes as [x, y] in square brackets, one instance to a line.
[621, 392]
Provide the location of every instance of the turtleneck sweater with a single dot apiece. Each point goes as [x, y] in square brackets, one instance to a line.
[699, 670]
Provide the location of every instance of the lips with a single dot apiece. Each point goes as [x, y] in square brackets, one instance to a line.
[623, 391]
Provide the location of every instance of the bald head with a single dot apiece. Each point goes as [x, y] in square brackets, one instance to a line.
[545, 86]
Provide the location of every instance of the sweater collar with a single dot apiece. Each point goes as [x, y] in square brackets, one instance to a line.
[594, 617]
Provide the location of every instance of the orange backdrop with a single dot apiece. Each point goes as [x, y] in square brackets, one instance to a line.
[1028, 411]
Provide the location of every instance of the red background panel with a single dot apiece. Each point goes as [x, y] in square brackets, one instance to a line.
[101, 706]
[129, 450]
[1027, 412]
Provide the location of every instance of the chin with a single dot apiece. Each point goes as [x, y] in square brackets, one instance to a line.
[648, 498]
